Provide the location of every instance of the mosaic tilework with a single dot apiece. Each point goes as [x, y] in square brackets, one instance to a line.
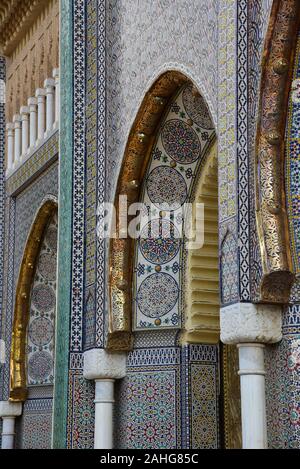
[8, 292]
[19, 217]
[183, 139]
[226, 120]
[2, 206]
[27, 203]
[34, 165]
[102, 179]
[169, 399]
[283, 386]
[33, 428]
[292, 168]
[229, 277]
[41, 326]
[81, 413]
[200, 394]
[258, 18]
[2, 175]
[77, 201]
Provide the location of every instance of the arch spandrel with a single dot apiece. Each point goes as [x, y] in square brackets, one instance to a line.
[272, 223]
[18, 379]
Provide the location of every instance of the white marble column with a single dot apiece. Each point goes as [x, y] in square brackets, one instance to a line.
[10, 145]
[104, 368]
[17, 139]
[24, 112]
[253, 401]
[250, 326]
[49, 85]
[32, 104]
[40, 95]
[8, 412]
[57, 93]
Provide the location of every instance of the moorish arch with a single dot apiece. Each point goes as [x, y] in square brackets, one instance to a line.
[156, 284]
[33, 337]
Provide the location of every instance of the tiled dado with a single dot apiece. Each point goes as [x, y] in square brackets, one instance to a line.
[169, 399]
[34, 165]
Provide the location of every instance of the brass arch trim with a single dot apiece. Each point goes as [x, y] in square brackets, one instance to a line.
[135, 161]
[271, 216]
[18, 382]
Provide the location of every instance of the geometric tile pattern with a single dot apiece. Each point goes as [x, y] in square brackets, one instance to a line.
[21, 211]
[102, 179]
[81, 412]
[33, 429]
[41, 326]
[38, 162]
[169, 399]
[177, 157]
[283, 383]
[2, 175]
[242, 150]
[292, 168]
[258, 20]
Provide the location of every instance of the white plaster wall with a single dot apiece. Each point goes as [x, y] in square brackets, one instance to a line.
[146, 38]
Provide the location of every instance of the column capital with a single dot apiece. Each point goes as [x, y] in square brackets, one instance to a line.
[10, 126]
[49, 83]
[55, 73]
[16, 119]
[24, 110]
[40, 92]
[10, 409]
[32, 101]
[99, 364]
[248, 322]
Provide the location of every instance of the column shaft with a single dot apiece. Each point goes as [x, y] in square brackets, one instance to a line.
[24, 111]
[17, 142]
[10, 145]
[253, 400]
[32, 104]
[8, 432]
[40, 95]
[104, 400]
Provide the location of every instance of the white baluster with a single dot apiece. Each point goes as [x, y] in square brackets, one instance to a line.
[24, 111]
[49, 85]
[40, 95]
[17, 125]
[57, 91]
[10, 145]
[32, 104]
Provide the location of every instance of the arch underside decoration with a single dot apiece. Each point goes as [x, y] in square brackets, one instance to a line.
[18, 365]
[163, 165]
[136, 158]
[272, 224]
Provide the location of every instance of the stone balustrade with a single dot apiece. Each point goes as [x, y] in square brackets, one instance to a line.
[33, 125]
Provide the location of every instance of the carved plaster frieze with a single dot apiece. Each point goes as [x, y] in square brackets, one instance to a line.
[248, 322]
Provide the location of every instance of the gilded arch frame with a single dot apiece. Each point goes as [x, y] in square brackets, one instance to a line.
[18, 385]
[271, 216]
[136, 158]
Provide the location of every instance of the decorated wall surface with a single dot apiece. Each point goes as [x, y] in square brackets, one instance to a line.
[170, 396]
[178, 155]
[283, 360]
[20, 212]
[34, 427]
